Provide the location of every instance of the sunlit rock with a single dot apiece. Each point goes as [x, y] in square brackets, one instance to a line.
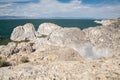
[23, 33]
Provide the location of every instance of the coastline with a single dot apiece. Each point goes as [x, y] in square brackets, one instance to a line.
[8, 25]
[57, 53]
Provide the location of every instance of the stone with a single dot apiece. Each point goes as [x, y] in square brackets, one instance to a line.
[25, 47]
[67, 37]
[46, 29]
[23, 33]
[106, 39]
[8, 50]
[56, 53]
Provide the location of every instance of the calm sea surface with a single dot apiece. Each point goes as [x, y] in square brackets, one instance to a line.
[6, 26]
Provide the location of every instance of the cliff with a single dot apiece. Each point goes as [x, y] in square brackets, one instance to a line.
[56, 53]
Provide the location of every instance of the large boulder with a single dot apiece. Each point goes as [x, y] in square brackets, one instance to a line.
[23, 33]
[44, 32]
[66, 36]
[47, 28]
[69, 37]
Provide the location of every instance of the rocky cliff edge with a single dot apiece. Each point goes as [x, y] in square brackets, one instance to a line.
[56, 53]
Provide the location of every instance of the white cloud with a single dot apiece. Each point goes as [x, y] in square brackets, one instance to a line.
[48, 8]
[14, 0]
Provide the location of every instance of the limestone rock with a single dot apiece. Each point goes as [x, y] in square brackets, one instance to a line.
[48, 52]
[104, 38]
[8, 49]
[47, 28]
[69, 37]
[66, 36]
[25, 47]
[23, 33]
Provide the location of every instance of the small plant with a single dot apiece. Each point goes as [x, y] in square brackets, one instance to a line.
[4, 63]
[24, 59]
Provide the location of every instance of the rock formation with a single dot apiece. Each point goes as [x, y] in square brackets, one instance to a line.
[56, 53]
[47, 28]
[23, 33]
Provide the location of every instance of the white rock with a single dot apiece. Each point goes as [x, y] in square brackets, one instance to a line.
[66, 36]
[47, 28]
[22, 33]
[106, 39]
[8, 49]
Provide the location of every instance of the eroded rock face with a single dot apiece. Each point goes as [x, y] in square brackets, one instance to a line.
[8, 50]
[23, 33]
[106, 39]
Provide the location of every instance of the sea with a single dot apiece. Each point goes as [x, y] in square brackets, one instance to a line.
[7, 25]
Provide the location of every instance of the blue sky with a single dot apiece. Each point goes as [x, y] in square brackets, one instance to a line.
[61, 8]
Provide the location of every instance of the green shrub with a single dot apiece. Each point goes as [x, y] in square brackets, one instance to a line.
[24, 59]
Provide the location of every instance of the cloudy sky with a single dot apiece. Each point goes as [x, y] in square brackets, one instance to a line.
[61, 8]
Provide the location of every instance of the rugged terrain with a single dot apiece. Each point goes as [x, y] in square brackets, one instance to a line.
[56, 53]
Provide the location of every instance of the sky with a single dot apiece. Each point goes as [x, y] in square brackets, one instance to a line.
[61, 8]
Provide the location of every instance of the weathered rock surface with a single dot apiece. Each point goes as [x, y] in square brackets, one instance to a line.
[7, 50]
[64, 70]
[105, 38]
[23, 33]
[56, 53]
[67, 36]
[47, 28]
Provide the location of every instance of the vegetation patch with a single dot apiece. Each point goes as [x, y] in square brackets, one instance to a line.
[24, 59]
[4, 63]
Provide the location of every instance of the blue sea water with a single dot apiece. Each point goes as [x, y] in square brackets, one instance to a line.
[6, 26]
